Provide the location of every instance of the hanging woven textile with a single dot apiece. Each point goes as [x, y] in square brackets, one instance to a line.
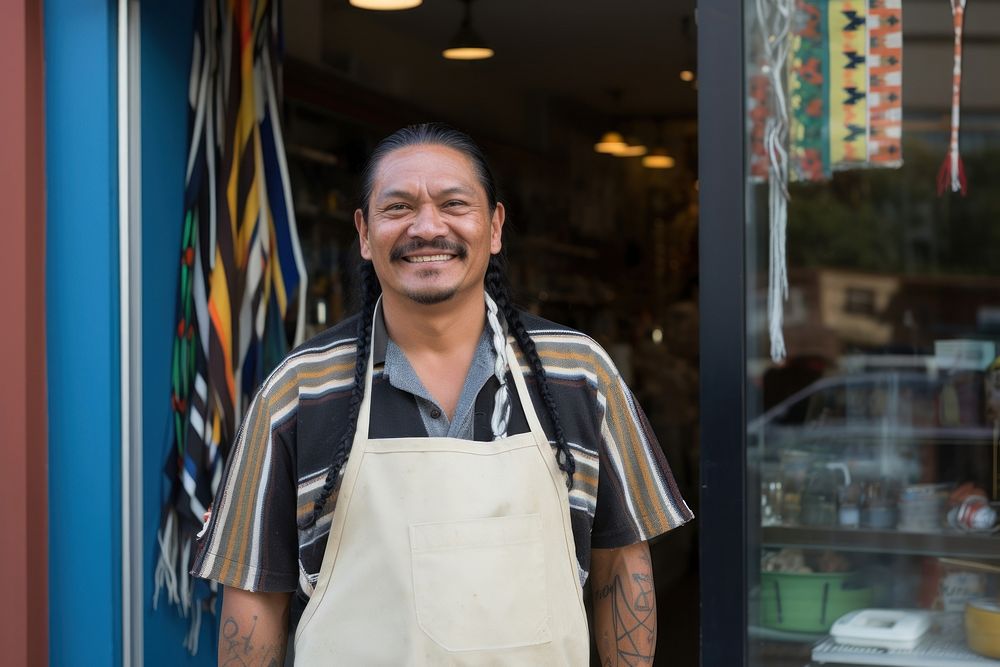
[952, 173]
[825, 95]
[241, 269]
[885, 81]
[758, 111]
[808, 88]
[848, 83]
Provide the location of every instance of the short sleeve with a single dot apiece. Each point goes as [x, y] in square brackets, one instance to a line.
[252, 539]
[637, 497]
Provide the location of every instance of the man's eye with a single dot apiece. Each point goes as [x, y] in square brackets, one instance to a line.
[455, 202]
[396, 207]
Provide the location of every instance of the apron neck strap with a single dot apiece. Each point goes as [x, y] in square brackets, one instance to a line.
[364, 411]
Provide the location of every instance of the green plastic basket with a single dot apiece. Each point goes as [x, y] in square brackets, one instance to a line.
[809, 602]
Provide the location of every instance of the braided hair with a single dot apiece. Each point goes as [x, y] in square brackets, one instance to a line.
[496, 285]
[370, 290]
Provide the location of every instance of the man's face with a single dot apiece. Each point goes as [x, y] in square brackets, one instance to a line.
[430, 232]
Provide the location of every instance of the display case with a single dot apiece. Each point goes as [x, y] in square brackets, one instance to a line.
[871, 444]
[875, 492]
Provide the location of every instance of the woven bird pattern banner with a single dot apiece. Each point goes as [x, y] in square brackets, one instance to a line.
[824, 85]
[241, 272]
[845, 86]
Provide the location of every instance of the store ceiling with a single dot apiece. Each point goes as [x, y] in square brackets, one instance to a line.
[606, 58]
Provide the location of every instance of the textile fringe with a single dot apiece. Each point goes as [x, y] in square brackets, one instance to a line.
[165, 577]
[171, 576]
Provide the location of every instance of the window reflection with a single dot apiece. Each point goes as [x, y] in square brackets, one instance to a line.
[872, 447]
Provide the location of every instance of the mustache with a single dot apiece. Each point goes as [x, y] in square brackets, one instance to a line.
[444, 245]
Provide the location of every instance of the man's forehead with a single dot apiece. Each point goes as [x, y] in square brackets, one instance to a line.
[439, 168]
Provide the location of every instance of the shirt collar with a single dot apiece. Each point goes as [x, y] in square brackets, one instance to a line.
[380, 337]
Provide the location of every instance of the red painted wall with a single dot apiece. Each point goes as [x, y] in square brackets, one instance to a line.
[23, 442]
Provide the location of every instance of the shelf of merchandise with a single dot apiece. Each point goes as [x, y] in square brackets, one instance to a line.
[946, 543]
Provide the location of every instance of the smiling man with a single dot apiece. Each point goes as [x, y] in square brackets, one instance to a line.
[433, 481]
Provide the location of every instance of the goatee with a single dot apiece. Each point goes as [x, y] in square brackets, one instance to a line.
[429, 298]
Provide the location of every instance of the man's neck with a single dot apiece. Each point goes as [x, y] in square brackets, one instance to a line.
[436, 329]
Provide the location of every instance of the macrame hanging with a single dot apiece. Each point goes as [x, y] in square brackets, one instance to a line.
[774, 19]
[952, 172]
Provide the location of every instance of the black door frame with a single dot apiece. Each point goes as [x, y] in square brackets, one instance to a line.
[721, 237]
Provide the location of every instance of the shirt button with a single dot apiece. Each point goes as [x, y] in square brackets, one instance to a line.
[435, 413]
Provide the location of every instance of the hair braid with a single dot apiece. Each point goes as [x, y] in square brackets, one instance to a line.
[496, 285]
[370, 291]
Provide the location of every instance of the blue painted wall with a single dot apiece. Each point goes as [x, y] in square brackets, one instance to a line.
[167, 31]
[81, 276]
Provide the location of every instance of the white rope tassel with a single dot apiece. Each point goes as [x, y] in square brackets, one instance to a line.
[777, 284]
[501, 402]
[165, 577]
[194, 631]
[774, 21]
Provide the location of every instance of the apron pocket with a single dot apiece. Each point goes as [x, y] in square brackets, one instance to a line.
[479, 584]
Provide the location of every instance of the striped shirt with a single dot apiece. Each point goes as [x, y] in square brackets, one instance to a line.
[623, 489]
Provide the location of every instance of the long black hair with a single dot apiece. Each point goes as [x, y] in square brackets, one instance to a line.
[496, 285]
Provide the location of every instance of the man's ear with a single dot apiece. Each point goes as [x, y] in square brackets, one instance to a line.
[496, 228]
[362, 226]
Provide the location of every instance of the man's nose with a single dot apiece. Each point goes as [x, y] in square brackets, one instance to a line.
[428, 223]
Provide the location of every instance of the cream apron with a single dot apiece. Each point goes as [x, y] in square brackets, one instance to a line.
[448, 552]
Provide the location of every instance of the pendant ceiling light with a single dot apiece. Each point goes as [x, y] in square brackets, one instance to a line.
[611, 143]
[386, 5]
[467, 44]
[688, 72]
[658, 159]
[633, 148]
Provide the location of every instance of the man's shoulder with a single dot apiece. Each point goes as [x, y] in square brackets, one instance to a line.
[340, 335]
[535, 324]
[320, 361]
[560, 345]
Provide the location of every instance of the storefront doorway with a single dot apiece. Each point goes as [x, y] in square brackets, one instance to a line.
[600, 242]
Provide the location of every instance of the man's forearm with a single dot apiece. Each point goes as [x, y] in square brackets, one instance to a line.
[621, 581]
[253, 631]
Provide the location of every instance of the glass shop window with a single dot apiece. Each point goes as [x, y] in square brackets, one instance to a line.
[873, 434]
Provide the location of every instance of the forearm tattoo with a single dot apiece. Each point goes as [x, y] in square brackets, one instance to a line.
[628, 634]
[239, 648]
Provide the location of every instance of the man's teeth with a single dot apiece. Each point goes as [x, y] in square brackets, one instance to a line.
[428, 258]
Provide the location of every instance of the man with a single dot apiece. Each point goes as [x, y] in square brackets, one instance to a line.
[436, 479]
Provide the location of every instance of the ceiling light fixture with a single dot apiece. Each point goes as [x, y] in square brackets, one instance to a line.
[632, 149]
[386, 5]
[611, 143]
[689, 72]
[467, 44]
[658, 159]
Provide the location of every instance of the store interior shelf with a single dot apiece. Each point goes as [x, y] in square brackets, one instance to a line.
[945, 543]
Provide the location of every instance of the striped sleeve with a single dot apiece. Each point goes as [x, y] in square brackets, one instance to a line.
[637, 497]
[251, 541]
